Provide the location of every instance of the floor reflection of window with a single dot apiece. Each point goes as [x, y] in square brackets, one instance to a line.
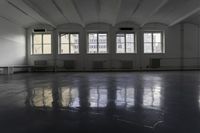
[125, 96]
[98, 97]
[152, 96]
[69, 97]
[42, 97]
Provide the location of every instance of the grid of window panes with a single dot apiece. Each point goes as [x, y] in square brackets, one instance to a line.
[153, 42]
[41, 43]
[69, 43]
[125, 43]
[97, 43]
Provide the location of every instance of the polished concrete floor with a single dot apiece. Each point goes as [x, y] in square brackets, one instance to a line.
[126, 102]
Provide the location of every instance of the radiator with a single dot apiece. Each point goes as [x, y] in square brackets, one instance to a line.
[126, 64]
[98, 64]
[155, 63]
[40, 63]
[69, 64]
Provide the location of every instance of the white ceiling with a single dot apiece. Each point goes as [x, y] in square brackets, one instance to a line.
[55, 12]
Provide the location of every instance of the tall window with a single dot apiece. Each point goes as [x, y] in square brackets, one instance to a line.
[69, 43]
[97, 43]
[153, 42]
[41, 43]
[125, 43]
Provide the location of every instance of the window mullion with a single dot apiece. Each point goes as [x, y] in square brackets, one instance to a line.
[152, 48]
[125, 42]
[70, 43]
[42, 44]
[33, 43]
[97, 42]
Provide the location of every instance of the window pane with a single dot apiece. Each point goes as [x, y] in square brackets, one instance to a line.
[37, 39]
[64, 49]
[129, 47]
[156, 37]
[157, 48]
[74, 40]
[102, 43]
[47, 49]
[147, 48]
[37, 49]
[129, 37]
[147, 37]
[74, 48]
[64, 38]
[47, 39]
[120, 43]
[92, 39]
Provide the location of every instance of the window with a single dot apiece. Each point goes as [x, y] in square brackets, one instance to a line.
[97, 43]
[69, 43]
[125, 43]
[153, 42]
[41, 43]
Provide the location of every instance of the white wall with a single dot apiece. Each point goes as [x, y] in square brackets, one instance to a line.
[176, 47]
[12, 44]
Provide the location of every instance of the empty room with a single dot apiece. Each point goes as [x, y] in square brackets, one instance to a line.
[99, 66]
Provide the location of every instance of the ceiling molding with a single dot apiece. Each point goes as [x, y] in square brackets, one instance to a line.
[38, 11]
[11, 21]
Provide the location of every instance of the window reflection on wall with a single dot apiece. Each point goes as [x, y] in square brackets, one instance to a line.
[151, 96]
[98, 97]
[69, 97]
[42, 97]
[125, 96]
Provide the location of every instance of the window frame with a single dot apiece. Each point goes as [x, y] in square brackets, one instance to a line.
[32, 43]
[87, 51]
[135, 42]
[59, 43]
[152, 43]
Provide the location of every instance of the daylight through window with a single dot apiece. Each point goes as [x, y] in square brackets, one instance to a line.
[153, 42]
[97, 43]
[69, 43]
[125, 43]
[41, 43]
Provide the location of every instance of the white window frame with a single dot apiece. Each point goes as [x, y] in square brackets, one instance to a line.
[162, 42]
[32, 44]
[135, 42]
[97, 42]
[59, 51]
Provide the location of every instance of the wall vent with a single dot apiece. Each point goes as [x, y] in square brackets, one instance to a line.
[126, 28]
[39, 30]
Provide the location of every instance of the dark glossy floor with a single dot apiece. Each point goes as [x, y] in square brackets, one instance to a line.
[132, 102]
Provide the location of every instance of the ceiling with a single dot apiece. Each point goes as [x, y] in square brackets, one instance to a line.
[56, 12]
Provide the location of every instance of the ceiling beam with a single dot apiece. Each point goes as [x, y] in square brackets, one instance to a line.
[137, 7]
[38, 11]
[60, 10]
[118, 8]
[164, 2]
[98, 8]
[185, 16]
[77, 11]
